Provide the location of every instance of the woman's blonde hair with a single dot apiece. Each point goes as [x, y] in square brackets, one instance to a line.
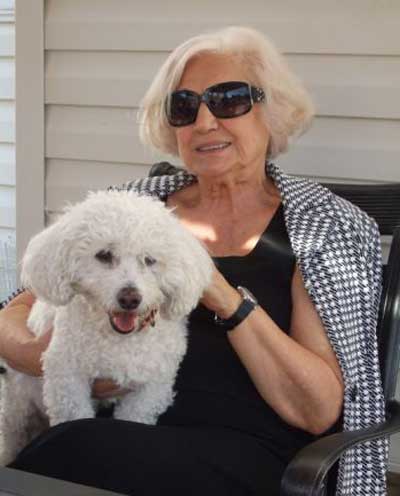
[288, 107]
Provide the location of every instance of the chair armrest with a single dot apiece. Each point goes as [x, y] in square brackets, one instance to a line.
[306, 473]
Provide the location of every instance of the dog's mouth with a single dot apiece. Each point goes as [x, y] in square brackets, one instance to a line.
[130, 321]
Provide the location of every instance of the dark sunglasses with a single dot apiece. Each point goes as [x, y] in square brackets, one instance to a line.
[224, 100]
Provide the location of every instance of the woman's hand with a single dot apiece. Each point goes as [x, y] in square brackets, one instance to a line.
[28, 359]
[18, 346]
[220, 297]
[105, 388]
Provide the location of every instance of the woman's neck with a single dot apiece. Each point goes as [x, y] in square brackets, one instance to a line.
[233, 192]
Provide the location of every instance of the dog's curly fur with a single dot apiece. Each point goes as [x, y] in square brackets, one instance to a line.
[111, 242]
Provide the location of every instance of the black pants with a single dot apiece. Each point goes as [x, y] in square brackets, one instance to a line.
[142, 460]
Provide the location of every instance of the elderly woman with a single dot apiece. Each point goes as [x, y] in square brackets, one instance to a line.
[283, 342]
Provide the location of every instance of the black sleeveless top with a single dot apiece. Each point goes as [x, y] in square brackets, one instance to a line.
[213, 387]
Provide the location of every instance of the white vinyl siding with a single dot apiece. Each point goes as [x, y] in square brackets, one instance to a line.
[100, 56]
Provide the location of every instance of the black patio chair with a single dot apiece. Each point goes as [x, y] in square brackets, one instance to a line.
[312, 472]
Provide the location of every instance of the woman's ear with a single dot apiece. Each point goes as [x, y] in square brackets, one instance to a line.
[45, 265]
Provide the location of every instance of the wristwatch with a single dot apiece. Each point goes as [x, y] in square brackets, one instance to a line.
[249, 302]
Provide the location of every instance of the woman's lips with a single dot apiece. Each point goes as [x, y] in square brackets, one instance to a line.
[212, 147]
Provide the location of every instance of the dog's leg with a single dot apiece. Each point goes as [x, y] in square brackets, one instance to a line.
[19, 416]
[66, 385]
[146, 403]
[67, 397]
[66, 392]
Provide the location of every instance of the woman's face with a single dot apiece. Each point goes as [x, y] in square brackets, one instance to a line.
[243, 139]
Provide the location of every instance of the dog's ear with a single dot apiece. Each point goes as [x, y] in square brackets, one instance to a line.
[44, 265]
[189, 272]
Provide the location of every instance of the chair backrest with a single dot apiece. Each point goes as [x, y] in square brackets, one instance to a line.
[382, 202]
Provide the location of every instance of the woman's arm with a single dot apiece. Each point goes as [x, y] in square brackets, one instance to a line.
[18, 346]
[297, 375]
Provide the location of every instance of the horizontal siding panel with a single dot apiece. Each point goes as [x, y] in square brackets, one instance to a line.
[354, 70]
[7, 131]
[7, 8]
[7, 78]
[130, 65]
[7, 122]
[351, 86]
[7, 88]
[99, 78]
[7, 207]
[121, 9]
[334, 162]
[69, 181]
[293, 35]
[348, 148]
[7, 40]
[100, 134]
[95, 145]
[7, 154]
[357, 101]
[7, 174]
[107, 91]
[370, 88]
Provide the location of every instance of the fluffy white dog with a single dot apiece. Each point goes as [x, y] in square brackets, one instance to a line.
[115, 277]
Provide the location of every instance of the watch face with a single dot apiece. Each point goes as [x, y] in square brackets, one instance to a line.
[247, 295]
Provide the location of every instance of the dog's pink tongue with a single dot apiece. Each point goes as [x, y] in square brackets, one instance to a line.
[124, 321]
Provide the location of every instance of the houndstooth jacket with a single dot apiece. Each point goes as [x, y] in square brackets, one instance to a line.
[337, 248]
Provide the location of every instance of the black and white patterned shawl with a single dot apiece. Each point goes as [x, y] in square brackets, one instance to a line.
[337, 248]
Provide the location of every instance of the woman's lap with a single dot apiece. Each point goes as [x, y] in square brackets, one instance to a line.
[142, 460]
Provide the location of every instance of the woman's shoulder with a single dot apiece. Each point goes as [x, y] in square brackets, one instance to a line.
[354, 219]
[311, 203]
[161, 181]
[309, 194]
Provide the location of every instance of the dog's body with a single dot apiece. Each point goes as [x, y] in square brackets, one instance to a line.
[115, 278]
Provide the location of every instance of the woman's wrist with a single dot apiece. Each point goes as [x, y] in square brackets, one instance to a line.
[228, 303]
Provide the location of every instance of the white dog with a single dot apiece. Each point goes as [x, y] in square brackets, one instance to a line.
[115, 277]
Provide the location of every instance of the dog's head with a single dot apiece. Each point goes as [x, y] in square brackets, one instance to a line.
[127, 254]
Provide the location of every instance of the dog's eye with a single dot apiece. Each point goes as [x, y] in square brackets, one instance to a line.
[149, 261]
[104, 256]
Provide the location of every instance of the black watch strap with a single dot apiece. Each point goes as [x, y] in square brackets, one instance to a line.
[245, 307]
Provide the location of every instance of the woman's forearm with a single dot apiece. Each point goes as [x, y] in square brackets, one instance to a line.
[298, 384]
[18, 346]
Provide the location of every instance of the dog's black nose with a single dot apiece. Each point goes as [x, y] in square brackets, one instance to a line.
[129, 298]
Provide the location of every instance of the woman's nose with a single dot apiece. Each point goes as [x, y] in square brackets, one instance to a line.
[205, 120]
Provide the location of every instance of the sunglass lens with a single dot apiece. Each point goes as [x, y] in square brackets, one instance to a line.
[229, 99]
[183, 108]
